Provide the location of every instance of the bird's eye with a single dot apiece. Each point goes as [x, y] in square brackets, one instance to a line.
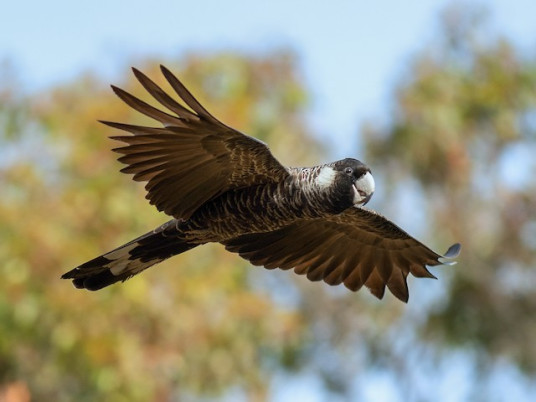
[349, 170]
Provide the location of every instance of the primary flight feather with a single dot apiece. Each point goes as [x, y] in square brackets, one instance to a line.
[220, 185]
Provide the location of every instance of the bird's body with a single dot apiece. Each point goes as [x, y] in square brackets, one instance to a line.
[264, 208]
[223, 186]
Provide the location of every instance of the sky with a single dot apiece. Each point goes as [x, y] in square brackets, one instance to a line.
[351, 54]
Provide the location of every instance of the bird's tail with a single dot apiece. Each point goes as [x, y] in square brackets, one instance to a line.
[130, 258]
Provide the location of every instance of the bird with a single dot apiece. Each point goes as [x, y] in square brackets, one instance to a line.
[219, 185]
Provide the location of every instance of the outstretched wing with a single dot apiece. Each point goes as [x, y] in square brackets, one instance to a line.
[193, 157]
[357, 247]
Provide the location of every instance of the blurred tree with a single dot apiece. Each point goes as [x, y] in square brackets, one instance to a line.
[193, 329]
[205, 324]
[463, 137]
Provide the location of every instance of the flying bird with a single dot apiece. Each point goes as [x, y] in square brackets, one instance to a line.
[222, 186]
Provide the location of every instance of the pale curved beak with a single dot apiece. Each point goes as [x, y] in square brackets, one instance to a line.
[366, 199]
[363, 189]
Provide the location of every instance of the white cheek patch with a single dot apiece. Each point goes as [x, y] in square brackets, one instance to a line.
[326, 177]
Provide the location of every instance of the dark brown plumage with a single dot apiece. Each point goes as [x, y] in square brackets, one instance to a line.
[223, 186]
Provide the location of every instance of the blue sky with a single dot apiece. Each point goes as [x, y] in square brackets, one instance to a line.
[351, 52]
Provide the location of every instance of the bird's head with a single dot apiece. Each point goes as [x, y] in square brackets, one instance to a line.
[355, 178]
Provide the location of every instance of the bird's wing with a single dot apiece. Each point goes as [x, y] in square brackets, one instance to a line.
[193, 157]
[357, 247]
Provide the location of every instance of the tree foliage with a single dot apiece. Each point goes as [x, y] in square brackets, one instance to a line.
[193, 325]
[464, 126]
[461, 138]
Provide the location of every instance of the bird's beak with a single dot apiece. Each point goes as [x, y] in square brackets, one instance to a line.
[360, 197]
[363, 189]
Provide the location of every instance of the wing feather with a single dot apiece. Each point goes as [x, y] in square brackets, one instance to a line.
[161, 96]
[398, 285]
[193, 157]
[376, 284]
[361, 271]
[187, 97]
[357, 247]
[146, 109]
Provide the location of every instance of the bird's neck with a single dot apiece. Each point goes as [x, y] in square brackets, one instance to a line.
[319, 186]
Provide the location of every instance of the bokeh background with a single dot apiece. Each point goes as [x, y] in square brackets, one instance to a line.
[438, 97]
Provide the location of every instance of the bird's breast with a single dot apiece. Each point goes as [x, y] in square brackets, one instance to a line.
[252, 210]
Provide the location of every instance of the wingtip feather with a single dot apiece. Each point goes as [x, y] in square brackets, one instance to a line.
[164, 69]
[379, 292]
[453, 251]
[108, 123]
[116, 89]
[139, 75]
